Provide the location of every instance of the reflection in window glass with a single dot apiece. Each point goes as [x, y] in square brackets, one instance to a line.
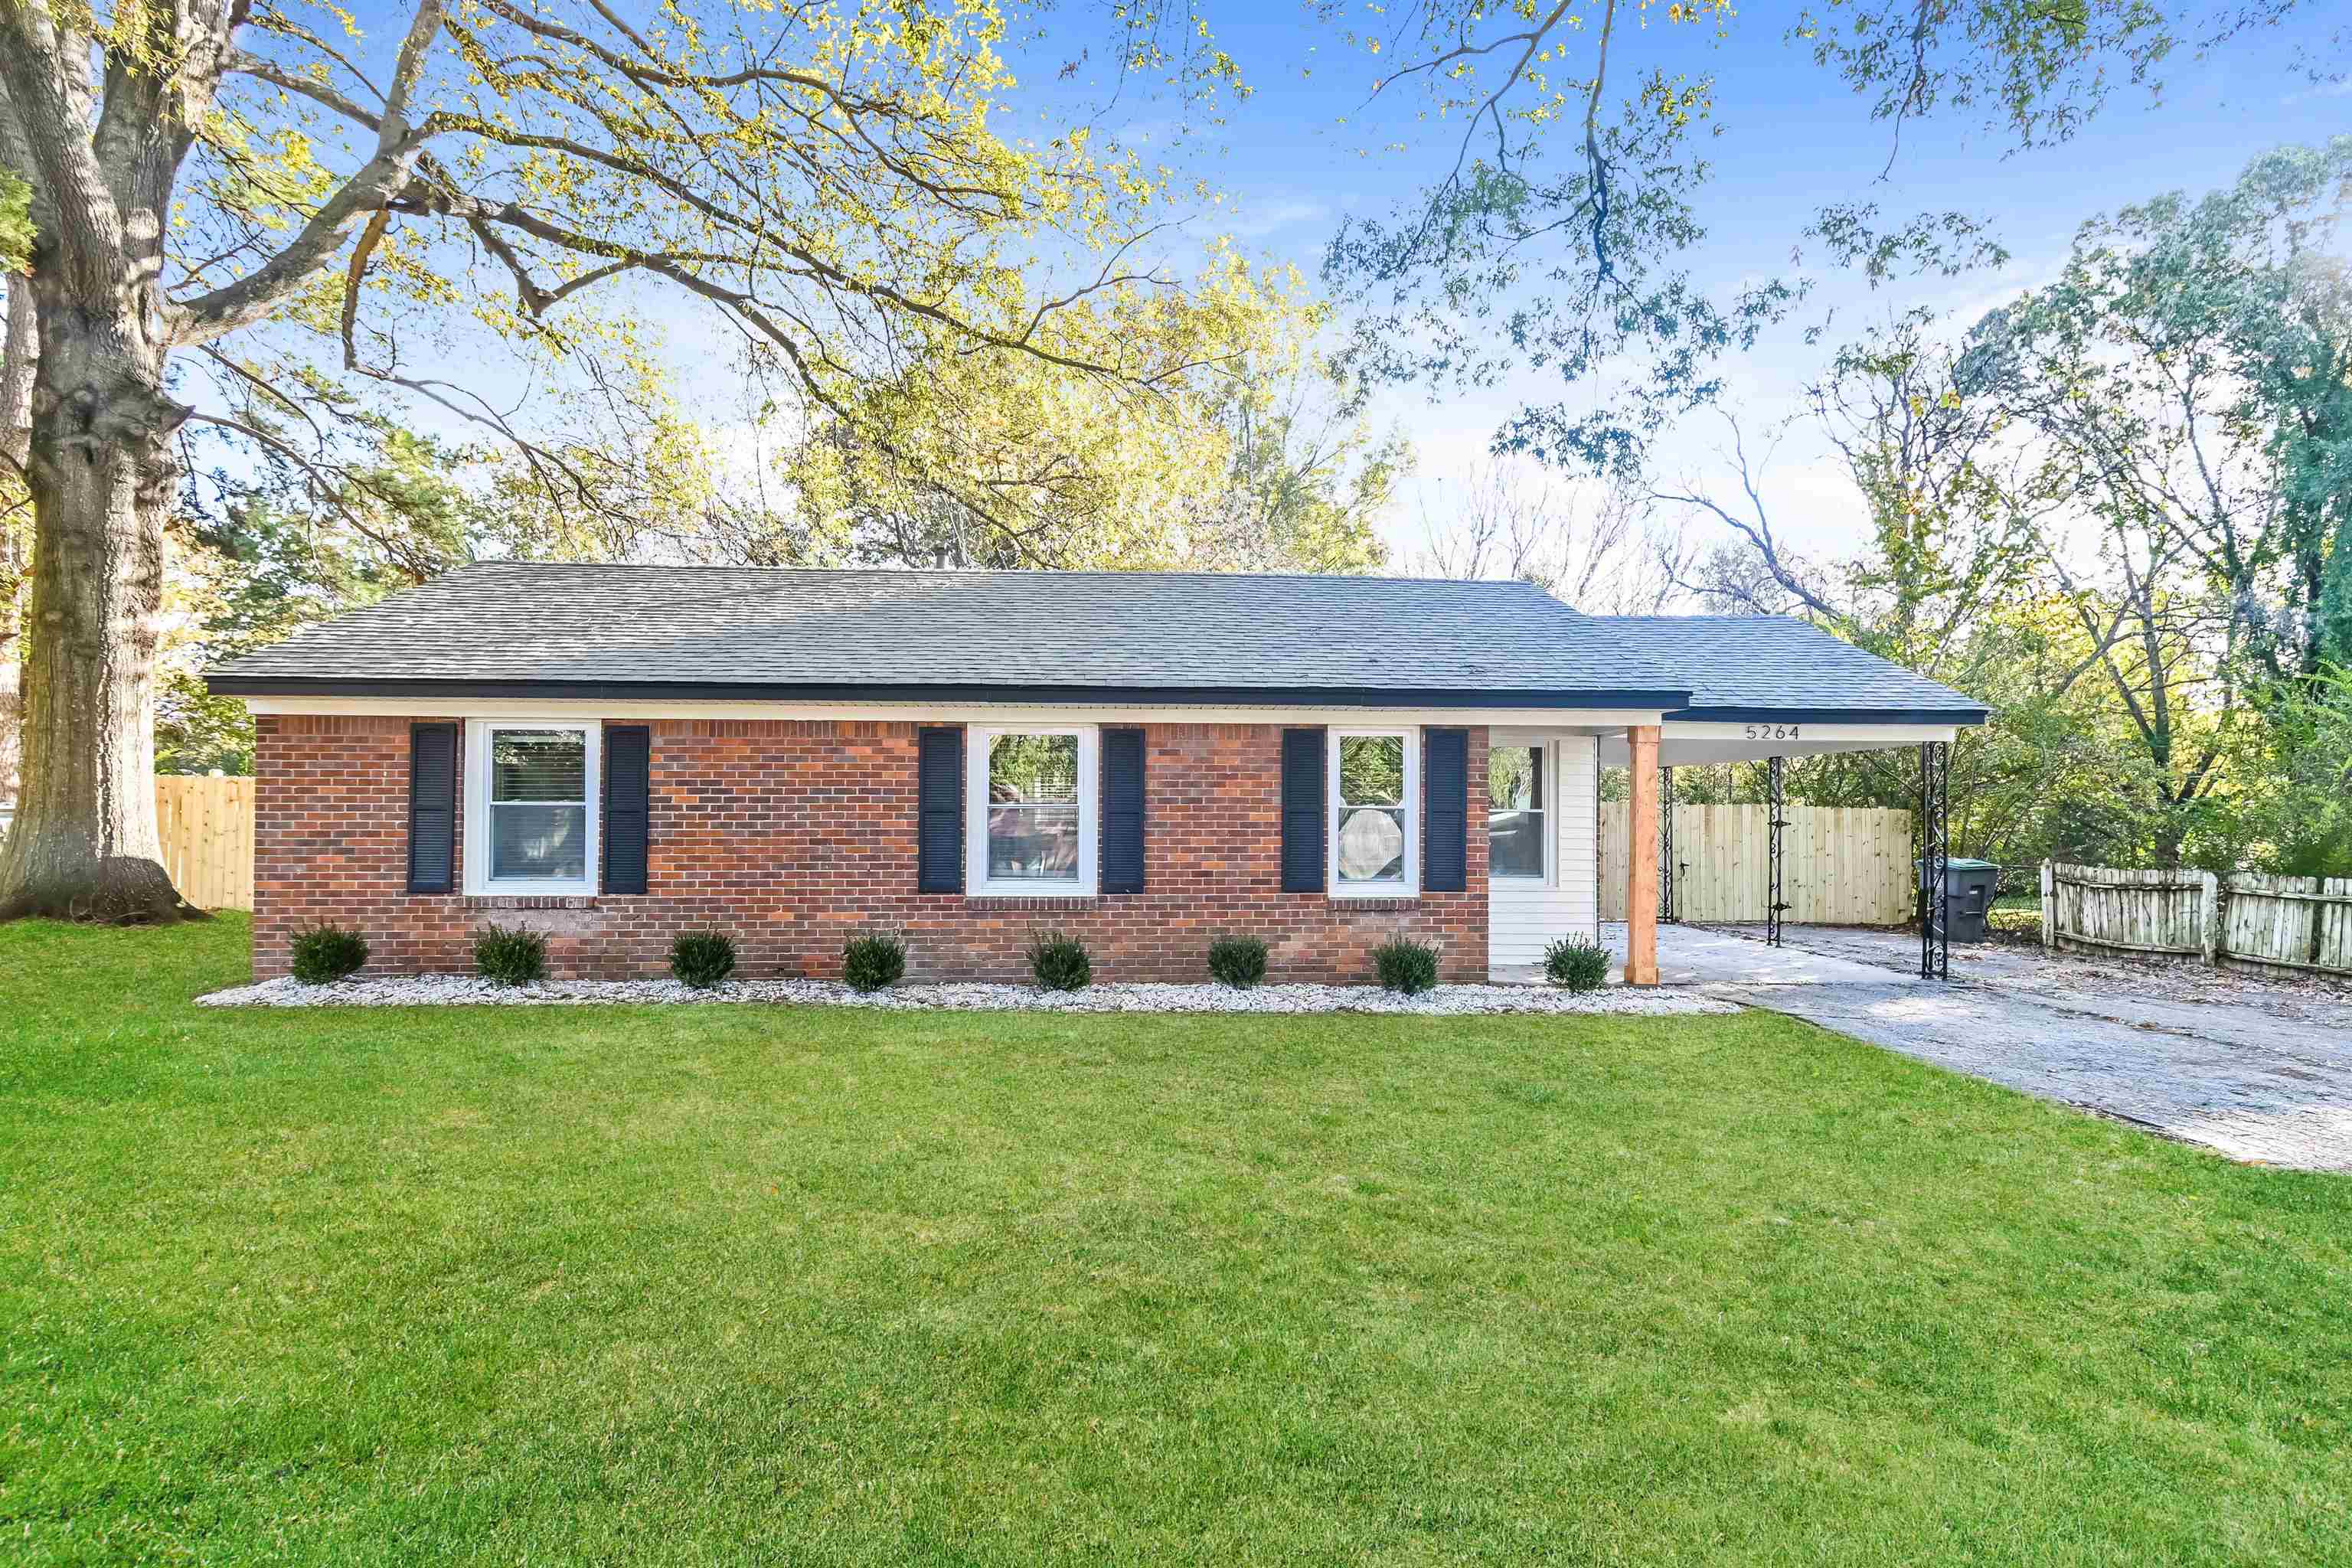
[1032, 808]
[539, 805]
[1370, 842]
[1514, 816]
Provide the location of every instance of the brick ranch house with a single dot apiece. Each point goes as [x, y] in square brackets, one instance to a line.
[613, 754]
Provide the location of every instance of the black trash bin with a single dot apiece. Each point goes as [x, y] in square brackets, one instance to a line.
[1970, 888]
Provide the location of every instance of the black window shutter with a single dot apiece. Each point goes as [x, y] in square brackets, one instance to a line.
[628, 805]
[939, 810]
[432, 809]
[1122, 809]
[1445, 810]
[1302, 811]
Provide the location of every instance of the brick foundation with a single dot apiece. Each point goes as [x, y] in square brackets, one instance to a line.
[791, 836]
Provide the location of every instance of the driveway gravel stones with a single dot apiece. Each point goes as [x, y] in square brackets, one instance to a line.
[2260, 1072]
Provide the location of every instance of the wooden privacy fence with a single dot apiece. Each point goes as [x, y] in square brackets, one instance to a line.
[2286, 923]
[206, 826]
[1844, 866]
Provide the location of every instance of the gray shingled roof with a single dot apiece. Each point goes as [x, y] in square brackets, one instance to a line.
[531, 628]
[1740, 667]
[753, 630]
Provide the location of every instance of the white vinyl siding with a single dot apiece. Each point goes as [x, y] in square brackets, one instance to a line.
[1527, 914]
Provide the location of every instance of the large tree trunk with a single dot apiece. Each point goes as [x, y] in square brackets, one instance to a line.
[85, 844]
[15, 529]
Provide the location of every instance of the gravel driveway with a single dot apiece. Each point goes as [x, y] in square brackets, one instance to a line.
[2260, 1071]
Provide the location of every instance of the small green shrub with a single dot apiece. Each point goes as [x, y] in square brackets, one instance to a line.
[322, 955]
[505, 957]
[873, 962]
[1405, 965]
[1577, 963]
[1060, 963]
[1238, 961]
[701, 959]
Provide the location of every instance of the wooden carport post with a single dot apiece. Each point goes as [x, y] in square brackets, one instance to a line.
[1641, 859]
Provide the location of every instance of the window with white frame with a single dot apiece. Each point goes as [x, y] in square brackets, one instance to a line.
[1515, 811]
[1375, 782]
[531, 807]
[1031, 812]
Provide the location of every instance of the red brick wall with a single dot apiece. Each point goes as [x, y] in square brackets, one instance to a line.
[794, 835]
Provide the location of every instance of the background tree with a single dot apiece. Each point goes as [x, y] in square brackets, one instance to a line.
[1268, 464]
[2187, 376]
[1940, 584]
[2295, 795]
[2185, 384]
[1271, 466]
[1604, 550]
[267, 199]
[1305, 476]
[258, 554]
[2113, 510]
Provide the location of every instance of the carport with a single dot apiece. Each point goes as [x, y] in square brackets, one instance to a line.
[1765, 689]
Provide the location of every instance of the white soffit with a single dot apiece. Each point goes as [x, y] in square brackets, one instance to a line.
[1689, 744]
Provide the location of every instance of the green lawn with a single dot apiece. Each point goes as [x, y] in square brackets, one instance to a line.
[2016, 916]
[813, 1287]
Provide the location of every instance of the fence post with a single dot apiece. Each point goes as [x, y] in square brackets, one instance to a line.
[2049, 908]
[2212, 930]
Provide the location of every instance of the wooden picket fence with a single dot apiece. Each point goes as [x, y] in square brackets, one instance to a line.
[1845, 864]
[206, 826]
[2282, 922]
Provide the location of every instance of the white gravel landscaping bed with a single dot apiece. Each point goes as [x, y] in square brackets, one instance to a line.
[446, 990]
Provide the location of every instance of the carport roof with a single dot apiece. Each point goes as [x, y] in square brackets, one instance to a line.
[1743, 668]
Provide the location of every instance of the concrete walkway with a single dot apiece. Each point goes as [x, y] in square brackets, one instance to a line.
[2266, 1080]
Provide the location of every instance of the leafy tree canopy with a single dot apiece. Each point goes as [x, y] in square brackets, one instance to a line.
[1574, 182]
[507, 201]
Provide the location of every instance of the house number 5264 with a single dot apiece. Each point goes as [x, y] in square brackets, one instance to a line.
[1772, 731]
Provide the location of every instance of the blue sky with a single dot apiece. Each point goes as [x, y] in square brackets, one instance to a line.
[1293, 159]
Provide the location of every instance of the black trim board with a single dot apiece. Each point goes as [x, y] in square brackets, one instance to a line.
[759, 691]
[1827, 715]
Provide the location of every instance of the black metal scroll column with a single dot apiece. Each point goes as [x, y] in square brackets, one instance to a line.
[1935, 860]
[1666, 845]
[1776, 821]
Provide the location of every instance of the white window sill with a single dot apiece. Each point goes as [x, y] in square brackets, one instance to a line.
[1375, 890]
[1030, 890]
[533, 890]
